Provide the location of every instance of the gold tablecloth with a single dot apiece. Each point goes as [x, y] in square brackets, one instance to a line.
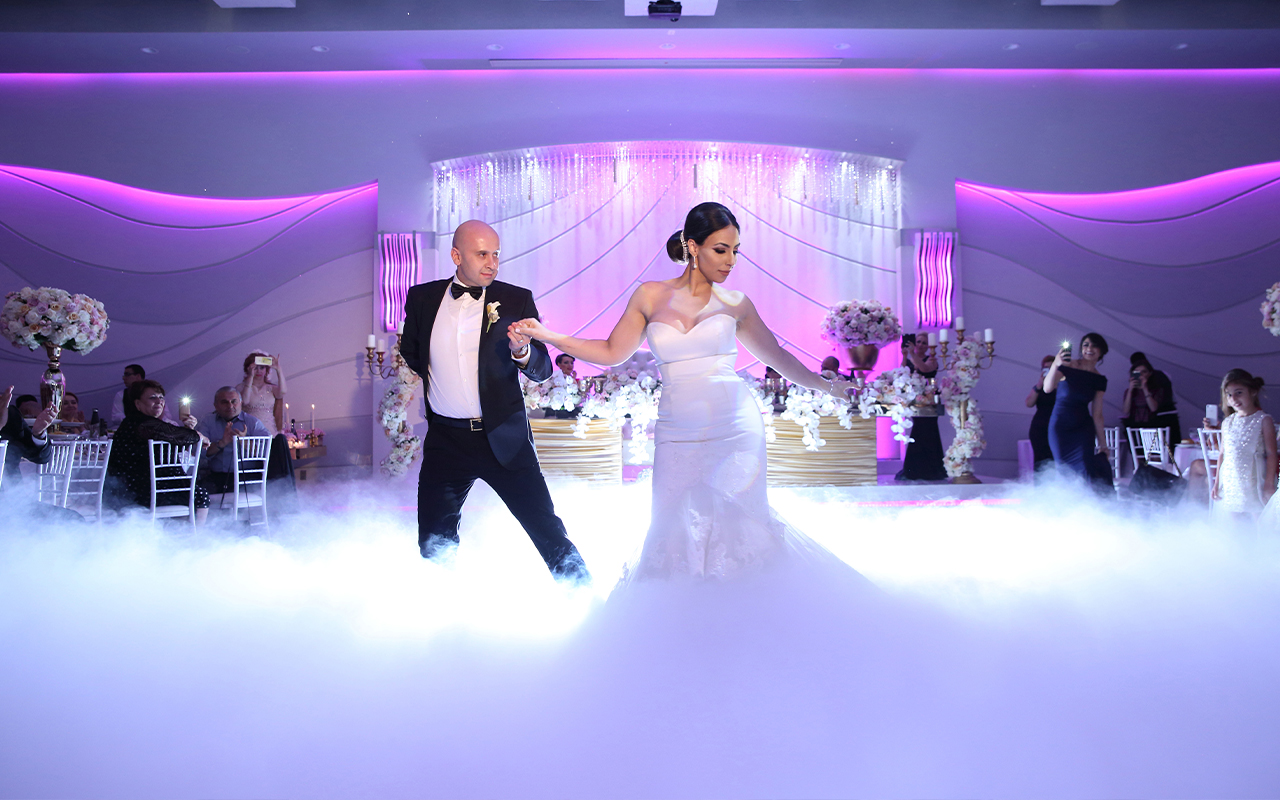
[847, 459]
[561, 454]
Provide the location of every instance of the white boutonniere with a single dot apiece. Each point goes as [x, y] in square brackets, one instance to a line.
[492, 311]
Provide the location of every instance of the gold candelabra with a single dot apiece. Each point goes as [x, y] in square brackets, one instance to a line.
[381, 369]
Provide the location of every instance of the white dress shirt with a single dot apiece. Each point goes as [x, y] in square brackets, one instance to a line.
[453, 371]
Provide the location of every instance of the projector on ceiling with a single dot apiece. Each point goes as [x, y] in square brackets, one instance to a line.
[257, 3]
[665, 9]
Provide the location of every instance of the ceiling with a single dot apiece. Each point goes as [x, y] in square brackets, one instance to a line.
[326, 35]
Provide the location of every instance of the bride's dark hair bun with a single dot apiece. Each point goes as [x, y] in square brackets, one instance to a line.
[703, 220]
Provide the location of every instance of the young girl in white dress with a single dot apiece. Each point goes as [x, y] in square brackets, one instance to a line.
[711, 517]
[1247, 476]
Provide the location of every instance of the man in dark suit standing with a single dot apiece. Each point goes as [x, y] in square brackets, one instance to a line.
[457, 337]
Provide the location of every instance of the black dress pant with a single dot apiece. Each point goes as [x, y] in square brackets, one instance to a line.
[452, 460]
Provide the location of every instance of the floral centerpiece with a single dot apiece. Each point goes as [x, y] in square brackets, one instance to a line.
[44, 317]
[862, 327]
[558, 393]
[393, 413]
[55, 320]
[1271, 310]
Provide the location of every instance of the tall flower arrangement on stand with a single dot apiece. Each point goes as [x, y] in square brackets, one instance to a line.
[393, 412]
[1271, 310]
[955, 383]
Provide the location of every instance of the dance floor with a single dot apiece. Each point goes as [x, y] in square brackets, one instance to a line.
[978, 642]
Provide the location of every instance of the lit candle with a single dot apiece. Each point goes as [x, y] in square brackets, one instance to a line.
[933, 339]
[944, 336]
[382, 345]
[400, 329]
[313, 416]
[959, 323]
[373, 341]
[989, 335]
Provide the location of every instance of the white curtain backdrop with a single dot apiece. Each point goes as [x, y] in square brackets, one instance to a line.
[583, 225]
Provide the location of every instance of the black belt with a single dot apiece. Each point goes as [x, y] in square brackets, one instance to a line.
[475, 425]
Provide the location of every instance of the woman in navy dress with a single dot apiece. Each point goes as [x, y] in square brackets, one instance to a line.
[1076, 434]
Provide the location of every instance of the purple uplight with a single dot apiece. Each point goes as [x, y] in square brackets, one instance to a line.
[401, 268]
[935, 278]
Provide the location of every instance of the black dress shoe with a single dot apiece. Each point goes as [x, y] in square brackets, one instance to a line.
[571, 571]
[437, 547]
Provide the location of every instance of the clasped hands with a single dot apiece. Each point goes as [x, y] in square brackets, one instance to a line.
[521, 332]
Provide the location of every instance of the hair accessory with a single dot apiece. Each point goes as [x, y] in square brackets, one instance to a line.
[684, 245]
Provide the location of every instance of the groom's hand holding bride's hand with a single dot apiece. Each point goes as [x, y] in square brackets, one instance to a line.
[531, 328]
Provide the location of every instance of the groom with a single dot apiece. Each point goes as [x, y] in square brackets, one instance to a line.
[457, 337]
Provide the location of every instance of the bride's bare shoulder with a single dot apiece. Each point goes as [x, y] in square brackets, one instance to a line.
[732, 298]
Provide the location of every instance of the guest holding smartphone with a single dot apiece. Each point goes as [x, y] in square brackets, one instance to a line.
[1076, 433]
[1042, 402]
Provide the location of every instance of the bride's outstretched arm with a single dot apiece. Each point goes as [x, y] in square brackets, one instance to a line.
[621, 344]
[762, 343]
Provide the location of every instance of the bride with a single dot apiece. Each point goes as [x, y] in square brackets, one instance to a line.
[711, 516]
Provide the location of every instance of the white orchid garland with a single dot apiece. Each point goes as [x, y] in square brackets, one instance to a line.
[955, 385]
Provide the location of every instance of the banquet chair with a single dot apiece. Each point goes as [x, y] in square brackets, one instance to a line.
[86, 476]
[249, 478]
[1113, 444]
[173, 458]
[1156, 449]
[4, 451]
[1211, 451]
[51, 482]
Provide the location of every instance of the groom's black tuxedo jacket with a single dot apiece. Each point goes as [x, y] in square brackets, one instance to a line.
[501, 401]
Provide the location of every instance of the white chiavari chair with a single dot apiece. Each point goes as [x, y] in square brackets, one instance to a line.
[249, 477]
[1155, 446]
[173, 472]
[51, 481]
[1113, 444]
[1211, 451]
[86, 477]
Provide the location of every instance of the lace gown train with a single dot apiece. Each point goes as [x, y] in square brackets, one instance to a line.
[711, 516]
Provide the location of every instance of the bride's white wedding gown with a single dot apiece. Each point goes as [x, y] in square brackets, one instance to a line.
[711, 516]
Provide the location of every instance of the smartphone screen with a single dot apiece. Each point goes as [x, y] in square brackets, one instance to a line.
[262, 361]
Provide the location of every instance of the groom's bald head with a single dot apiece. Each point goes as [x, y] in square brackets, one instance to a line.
[475, 252]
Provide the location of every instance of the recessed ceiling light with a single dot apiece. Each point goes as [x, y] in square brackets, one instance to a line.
[842, 46]
[237, 48]
[320, 48]
[151, 50]
[493, 47]
[667, 45]
[1011, 46]
[1181, 46]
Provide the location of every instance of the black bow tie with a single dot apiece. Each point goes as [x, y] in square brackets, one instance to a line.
[458, 290]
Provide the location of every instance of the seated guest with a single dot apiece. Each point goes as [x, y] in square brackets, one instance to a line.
[132, 374]
[1148, 401]
[25, 441]
[565, 362]
[71, 413]
[28, 406]
[129, 468]
[830, 369]
[221, 428]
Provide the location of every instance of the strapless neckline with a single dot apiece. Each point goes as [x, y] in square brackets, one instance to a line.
[695, 325]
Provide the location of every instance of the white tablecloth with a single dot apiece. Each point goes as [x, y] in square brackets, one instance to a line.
[1184, 454]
